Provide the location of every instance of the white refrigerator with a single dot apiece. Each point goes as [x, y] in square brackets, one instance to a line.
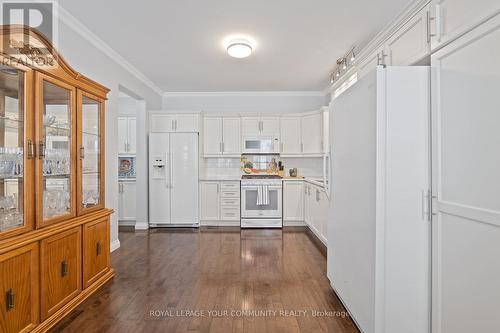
[379, 219]
[173, 179]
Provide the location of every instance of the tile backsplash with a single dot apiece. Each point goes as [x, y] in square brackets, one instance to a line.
[306, 166]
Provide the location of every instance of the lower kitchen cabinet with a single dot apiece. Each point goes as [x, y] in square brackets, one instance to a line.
[220, 203]
[293, 202]
[127, 208]
[19, 311]
[316, 210]
[61, 278]
[95, 251]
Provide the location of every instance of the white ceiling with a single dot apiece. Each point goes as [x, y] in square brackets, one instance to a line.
[179, 44]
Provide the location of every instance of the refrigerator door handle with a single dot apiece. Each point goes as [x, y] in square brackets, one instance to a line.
[171, 169]
[167, 173]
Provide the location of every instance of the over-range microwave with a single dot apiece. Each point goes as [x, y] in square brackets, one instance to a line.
[260, 145]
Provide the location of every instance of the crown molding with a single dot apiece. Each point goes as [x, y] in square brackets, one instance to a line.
[244, 94]
[85, 32]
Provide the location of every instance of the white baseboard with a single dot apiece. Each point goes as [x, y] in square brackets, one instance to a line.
[115, 245]
[141, 226]
[294, 224]
[125, 223]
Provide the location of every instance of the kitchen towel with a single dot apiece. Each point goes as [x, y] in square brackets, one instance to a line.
[262, 195]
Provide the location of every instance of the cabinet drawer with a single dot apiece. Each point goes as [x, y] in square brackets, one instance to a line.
[234, 203]
[230, 194]
[19, 289]
[61, 262]
[230, 186]
[230, 213]
[95, 250]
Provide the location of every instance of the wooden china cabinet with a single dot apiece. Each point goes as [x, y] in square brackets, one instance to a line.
[54, 227]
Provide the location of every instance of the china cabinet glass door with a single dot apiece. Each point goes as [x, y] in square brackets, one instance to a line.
[90, 143]
[16, 151]
[56, 150]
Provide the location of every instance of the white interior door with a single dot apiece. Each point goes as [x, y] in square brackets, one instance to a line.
[184, 178]
[466, 181]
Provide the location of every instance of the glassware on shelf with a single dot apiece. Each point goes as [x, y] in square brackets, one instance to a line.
[55, 202]
[11, 162]
[10, 216]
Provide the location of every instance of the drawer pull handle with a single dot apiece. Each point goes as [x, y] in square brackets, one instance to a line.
[10, 299]
[64, 268]
[98, 248]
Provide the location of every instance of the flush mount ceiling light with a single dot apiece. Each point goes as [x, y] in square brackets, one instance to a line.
[239, 48]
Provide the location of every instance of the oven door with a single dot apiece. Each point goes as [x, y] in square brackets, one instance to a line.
[250, 209]
[259, 145]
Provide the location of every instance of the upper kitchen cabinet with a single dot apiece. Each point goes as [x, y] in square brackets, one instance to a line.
[90, 148]
[231, 136]
[290, 134]
[17, 153]
[260, 126]
[168, 123]
[312, 134]
[411, 43]
[127, 138]
[56, 118]
[221, 136]
[453, 18]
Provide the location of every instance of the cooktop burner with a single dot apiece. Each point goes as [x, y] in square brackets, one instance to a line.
[260, 177]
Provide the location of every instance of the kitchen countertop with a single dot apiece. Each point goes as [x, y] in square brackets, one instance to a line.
[220, 178]
[318, 181]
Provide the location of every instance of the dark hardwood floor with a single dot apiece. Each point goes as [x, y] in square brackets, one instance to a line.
[182, 281]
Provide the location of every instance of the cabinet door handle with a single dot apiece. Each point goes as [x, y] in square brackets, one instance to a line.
[301, 147]
[10, 299]
[281, 147]
[223, 147]
[30, 153]
[82, 152]
[98, 248]
[64, 268]
[176, 124]
[429, 19]
[41, 150]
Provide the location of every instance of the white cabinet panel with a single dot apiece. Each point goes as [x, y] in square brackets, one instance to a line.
[250, 125]
[231, 136]
[466, 178]
[455, 17]
[127, 201]
[293, 201]
[290, 134]
[122, 135]
[132, 135]
[270, 126]
[370, 63]
[173, 122]
[212, 136]
[186, 123]
[209, 200]
[411, 42]
[312, 138]
[162, 123]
